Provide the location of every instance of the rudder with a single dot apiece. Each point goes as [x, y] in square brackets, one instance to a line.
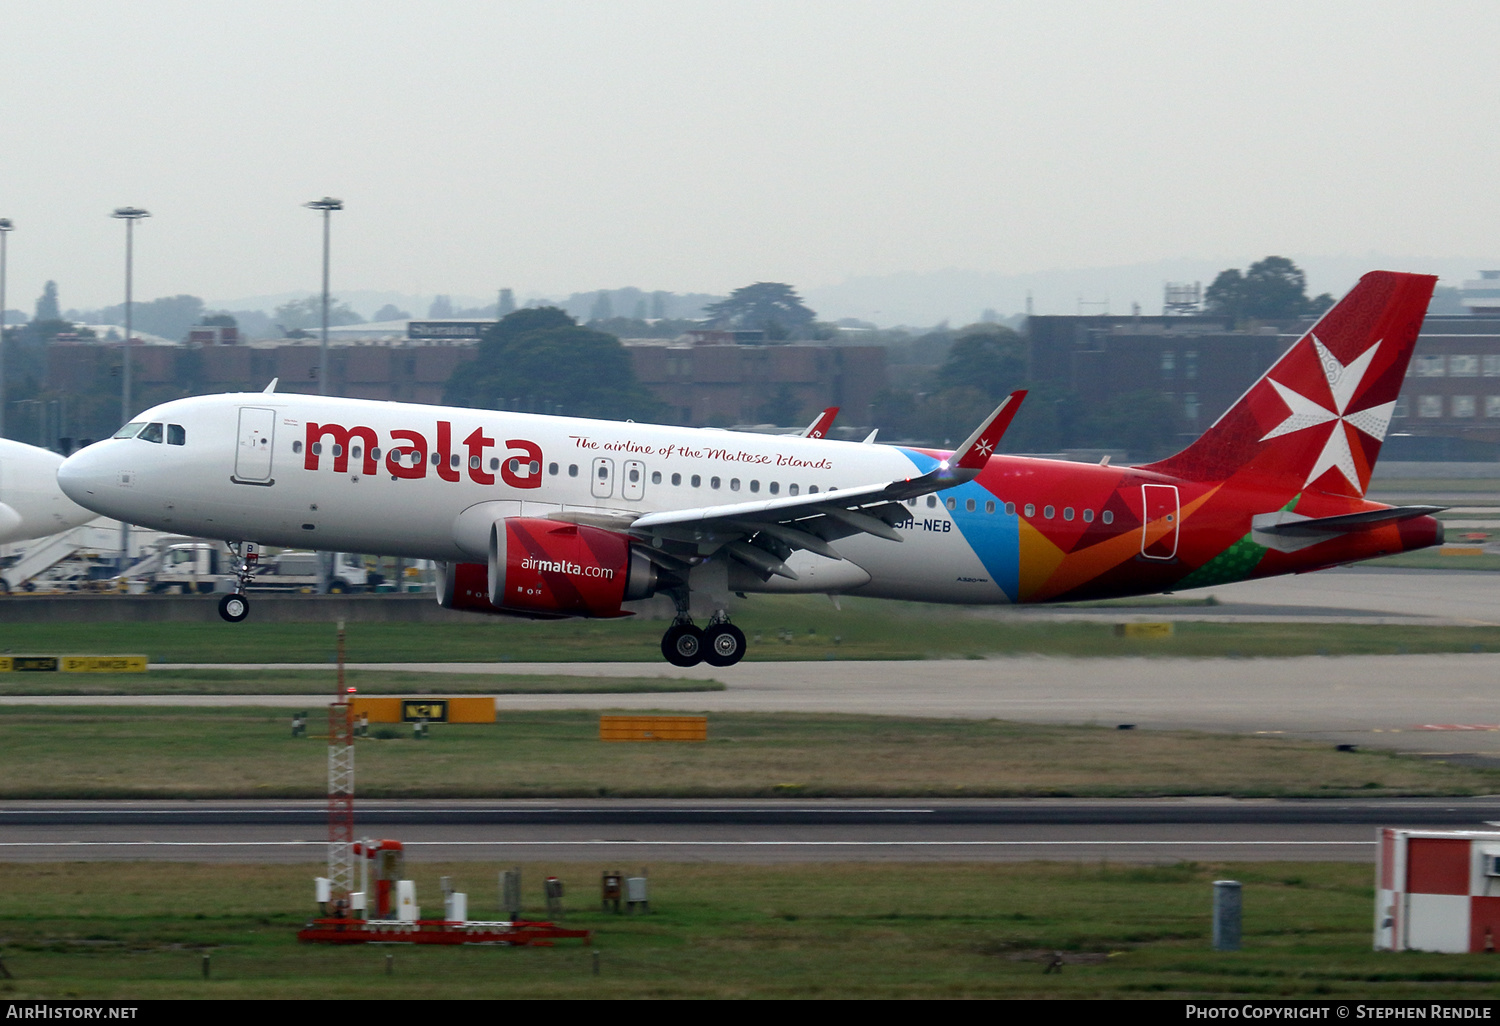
[1321, 413]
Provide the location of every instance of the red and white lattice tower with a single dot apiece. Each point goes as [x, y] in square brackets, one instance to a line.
[340, 792]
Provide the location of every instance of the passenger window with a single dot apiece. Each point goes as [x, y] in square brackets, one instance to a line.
[775, 488]
[1108, 516]
[755, 486]
[989, 507]
[791, 489]
[533, 468]
[1010, 509]
[130, 430]
[951, 503]
[552, 469]
[931, 501]
[452, 460]
[355, 452]
[176, 435]
[603, 470]
[338, 450]
[697, 481]
[656, 477]
[812, 490]
[635, 475]
[150, 433]
[1049, 512]
[296, 447]
[969, 505]
[436, 459]
[1031, 509]
[474, 462]
[1067, 512]
[676, 480]
[495, 463]
[375, 453]
[514, 466]
[572, 470]
[1088, 516]
[713, 482]
[734, 484]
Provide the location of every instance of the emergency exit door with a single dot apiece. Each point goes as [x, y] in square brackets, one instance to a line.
[1159, 524]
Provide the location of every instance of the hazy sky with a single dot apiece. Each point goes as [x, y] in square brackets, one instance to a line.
[555, 146]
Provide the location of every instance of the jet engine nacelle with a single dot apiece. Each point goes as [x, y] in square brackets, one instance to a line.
[550, 568]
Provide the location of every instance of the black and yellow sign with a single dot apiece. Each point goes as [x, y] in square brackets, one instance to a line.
[431, 710]
[45, 664]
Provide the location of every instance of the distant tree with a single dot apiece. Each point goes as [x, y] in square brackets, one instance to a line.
[390, 312]
[1271, 289]
[987, 357]
[767, 306]
[603, 308]
[219, 320]
[306, 314]
[46, 304]
[441, 308]
[541, 359]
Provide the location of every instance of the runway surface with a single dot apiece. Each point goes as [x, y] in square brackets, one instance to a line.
[737, 831]
[1435, 704]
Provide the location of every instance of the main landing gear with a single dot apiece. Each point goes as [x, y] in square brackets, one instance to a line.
[235, 606]
[720, 644]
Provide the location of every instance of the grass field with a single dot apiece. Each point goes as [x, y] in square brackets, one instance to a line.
[156, 752]
[779, 629]
[140, 930]
[321, 683]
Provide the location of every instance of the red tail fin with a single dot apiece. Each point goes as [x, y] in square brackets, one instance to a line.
[1320, 414]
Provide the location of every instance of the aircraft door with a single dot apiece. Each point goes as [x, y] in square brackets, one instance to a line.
[252, 459]
[602, 477]
[1159, 523]
[633, 484]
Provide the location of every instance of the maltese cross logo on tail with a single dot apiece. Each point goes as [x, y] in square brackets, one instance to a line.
[1305, 413]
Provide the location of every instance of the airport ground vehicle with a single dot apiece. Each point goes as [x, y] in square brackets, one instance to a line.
[199, 566]
[549, 517]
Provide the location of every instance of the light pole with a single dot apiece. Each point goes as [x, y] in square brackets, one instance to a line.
[327, 205]
[5, 230]
[130, 215]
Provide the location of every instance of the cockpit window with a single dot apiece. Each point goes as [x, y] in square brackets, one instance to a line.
[130, 430]
[176, 435]
[150, 433]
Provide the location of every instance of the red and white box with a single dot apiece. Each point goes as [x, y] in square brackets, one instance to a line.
[1437, 890]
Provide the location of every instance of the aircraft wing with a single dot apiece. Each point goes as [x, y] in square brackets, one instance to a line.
[763, 533]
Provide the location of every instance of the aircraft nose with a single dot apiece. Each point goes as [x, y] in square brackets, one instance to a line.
[82, 477]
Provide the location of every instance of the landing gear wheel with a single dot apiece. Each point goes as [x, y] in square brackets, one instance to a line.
[234, 608]
[724, 644]
[683, 645]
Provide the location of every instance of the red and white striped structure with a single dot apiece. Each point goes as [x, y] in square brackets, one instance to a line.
[1437, 890]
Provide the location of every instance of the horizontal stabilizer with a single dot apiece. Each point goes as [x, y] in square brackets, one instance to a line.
[1285, 531]
[1295, 524]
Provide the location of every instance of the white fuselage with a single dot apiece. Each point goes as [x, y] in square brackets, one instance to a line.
[395, 479]
[31, 503]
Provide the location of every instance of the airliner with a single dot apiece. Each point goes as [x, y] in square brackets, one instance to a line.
[547, 517]
[31, 504]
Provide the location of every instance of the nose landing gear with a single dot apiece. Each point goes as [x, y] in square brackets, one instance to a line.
[235, 607]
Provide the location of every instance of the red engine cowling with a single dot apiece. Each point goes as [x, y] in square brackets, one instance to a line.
[549, 568]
